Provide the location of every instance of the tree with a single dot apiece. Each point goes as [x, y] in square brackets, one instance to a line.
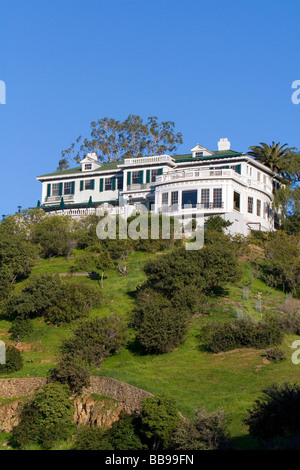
[55, 235]
[14, 361]
[92, 438]
[46, 418]
[124, 433]
[159, 419]
[71, 371]
[275, 417]
[161, 327]
[206, 431]
[217, 223]
[113, 140]
[271, 155]
[94, 340]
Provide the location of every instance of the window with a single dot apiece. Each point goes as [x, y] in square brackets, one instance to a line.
[88, 166]
[88, 184]
[55, 189]
[174, 198]
[67, 188]
[265, 210]
[258, 207]
[218, 197]
[205, 198]
[120, 182]
[264, 179]
[154, 174]
[258, 176]
[250, 205]
[198, 154]
[189, 198]
[165, 199]
[108, 184]
[135, 177]
[236, 201]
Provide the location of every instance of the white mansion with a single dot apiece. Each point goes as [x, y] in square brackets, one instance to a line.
[224, 182]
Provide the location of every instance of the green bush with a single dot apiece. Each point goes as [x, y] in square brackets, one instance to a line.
[275, 354]
[46, 418]
[125, 434]
[21, 328]
[161, 327]
[57, 300]
[72, 372]
[206, 431]
[275, 417]
[92, 438]
[14, 361]
[94, 340]
[242, 333]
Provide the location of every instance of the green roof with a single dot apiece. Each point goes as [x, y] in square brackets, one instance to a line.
[114, 165]
[217, 154]
[70, 171]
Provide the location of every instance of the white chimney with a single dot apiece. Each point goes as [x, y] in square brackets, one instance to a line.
[223, 144]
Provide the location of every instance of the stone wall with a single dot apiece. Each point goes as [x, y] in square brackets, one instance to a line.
[88, 409]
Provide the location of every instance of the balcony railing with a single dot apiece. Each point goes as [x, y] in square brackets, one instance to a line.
[66, 197]
[197, 174]
[199, 206]
[144, 160]
[139, 186]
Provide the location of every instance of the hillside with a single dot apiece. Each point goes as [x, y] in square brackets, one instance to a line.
[230, 380]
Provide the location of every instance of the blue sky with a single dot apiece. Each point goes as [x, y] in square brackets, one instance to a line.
[216, 68]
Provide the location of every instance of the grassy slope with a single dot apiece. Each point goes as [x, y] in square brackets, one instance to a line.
[231, 380]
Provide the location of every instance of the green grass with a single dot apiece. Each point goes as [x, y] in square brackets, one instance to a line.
[231, 380]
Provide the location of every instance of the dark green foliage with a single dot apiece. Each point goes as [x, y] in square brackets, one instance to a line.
[216, 223]
[206, 431]
[283, 269]
[46, 418]
[55, 235]
[275, 354]
[159, 419]
[161, 327]
[213, 265]
[92, 438]
[14, 361]
[113, 140]
[275, 417]
[21, 328]
[71, 371]
[242, 333]
[124, 433]
[58, 301]
[96, 339]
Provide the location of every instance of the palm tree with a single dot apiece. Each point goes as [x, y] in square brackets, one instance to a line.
[271, 155]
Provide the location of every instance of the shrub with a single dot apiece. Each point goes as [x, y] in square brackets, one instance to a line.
[290, 320]
[275, 417]
[206, 431]
[57, 300]
[92, 438]
[14, 361]
[159, 419]
[275, 354]
[161, 327]
[46, 418]
[72, 372]
[21, 328]
[124, 433]
[96, 339]
[242, 333]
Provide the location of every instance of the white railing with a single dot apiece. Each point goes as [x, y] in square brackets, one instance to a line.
[201, 174]
[66, 197]
[143, 160]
